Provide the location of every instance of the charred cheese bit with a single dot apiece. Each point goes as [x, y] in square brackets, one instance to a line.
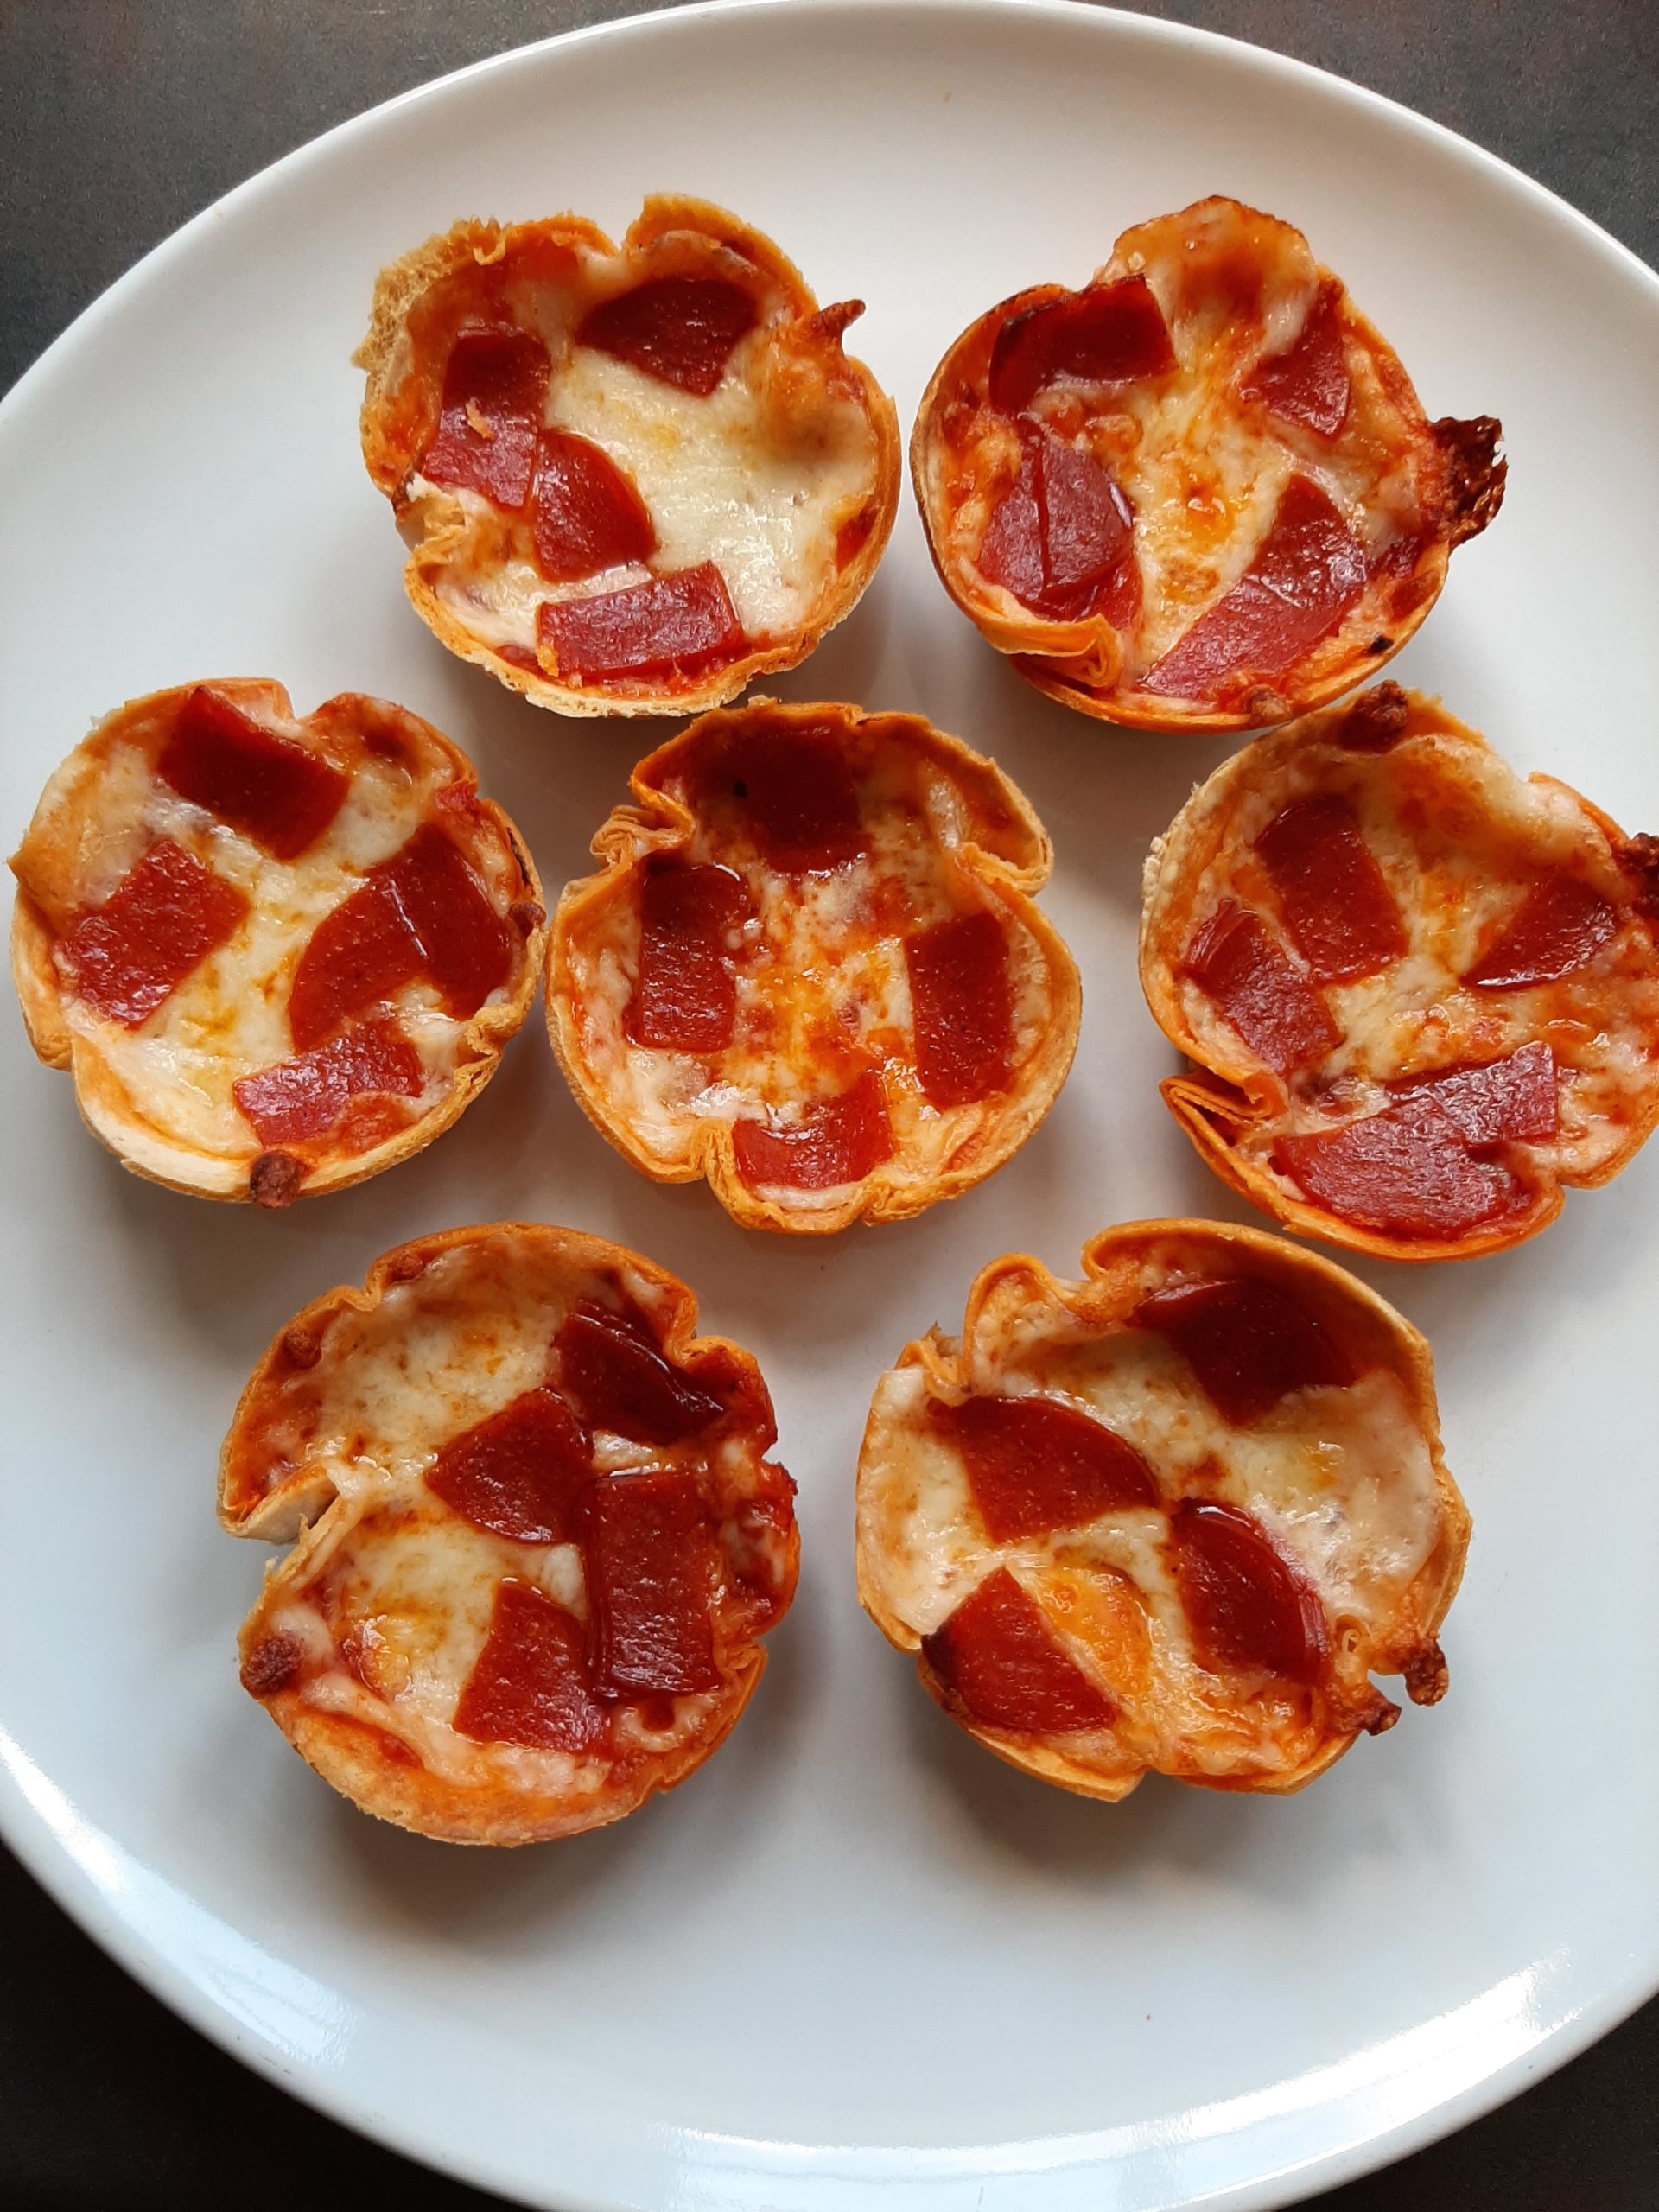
[1172, 1517]
[1201, 492]
[634, 477]
[812, 969]
[277, 955]
[1477, 1024]
[538, 1539]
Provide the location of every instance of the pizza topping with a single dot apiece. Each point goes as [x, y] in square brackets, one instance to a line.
[1336, 900]
[159, 923]
[1308, 570]
[1248, 1343]
[685, 994]
[651, 1564]
[490, 423]
[586, 516]
[681, 330]
[519, 1473]
[281, 795]
[1308, 384]
[684, 622]
[1035, 1465]
[530, 1685]
[1062, 540]
[306, 1097]
[423, 912]
[1517, 1099]
[996, 1657]
[1377, 718]
[1409, 1172]
[615, 1375]
[962, 1008]
[1246, 1604]
[1559, 928]
[799, 799]
[1107, 333]
[1265, 996]
[275, 1663]
[835, 1141]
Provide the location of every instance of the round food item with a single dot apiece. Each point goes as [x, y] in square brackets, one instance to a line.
[1421, 992]
[812, 969]
[1200, 494]
[633, 478]
[276, 955]
[1171, 1518]
[538, 1537]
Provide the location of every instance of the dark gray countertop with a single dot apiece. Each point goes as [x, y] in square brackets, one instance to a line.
[117, 121]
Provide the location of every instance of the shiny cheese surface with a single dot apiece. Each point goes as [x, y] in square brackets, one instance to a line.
[1343, 1481]
[823, 985]
[1203, 460]
[229, 1018]
[1460, 840]
[383, 1608]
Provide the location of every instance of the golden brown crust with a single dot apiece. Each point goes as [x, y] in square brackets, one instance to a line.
[1455, 476]
[46, 866]
[1228, 1098]
[998, 853]
[366, 1746]
[418, 303]
[1119, 1265]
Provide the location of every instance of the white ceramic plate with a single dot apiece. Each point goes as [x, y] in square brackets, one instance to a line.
[856, 1963]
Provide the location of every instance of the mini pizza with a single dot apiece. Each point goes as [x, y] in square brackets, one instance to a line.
[1200, 494]
[538, 1537]
[812, 969]
[1422, 992]
[276, 955]
[1169, 1519]
[633, 478]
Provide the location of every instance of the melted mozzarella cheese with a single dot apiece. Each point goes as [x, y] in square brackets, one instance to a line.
[820, 971]
[1455, 888]
[228, 1018]
[738, 478]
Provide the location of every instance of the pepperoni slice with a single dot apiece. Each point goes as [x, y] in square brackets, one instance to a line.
[1408, 1171]
[1062, 539]
[684, 622]
[1248, 1343]
[466, 947]
[1107, 333]
[683, 330]
[1308, 384]
[651, 1562]
[157, 926]
[686, 997]
[997, 1657]
[490, 423]
[614, 1372]
[1247, 1606]
[423, 912]
[1268, 999]
[1559, 927]
[962, 1006]
[1336, 900]
[798, 796]
[531, 1684]
[281, 795]
[1515, 1100]
[520, 1473]
[586, 516]
[836, 1141]
[306, 1097]
[1308, 570]
[1035, 1465]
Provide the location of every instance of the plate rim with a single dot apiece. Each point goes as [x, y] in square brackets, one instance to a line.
[40, 1825]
